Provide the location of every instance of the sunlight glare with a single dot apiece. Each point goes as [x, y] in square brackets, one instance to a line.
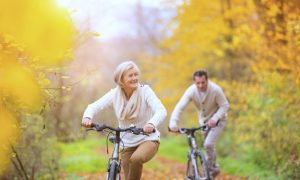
[63, 3]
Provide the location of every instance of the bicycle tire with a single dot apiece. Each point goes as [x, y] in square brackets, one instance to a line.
[113, 172]
[202, 166]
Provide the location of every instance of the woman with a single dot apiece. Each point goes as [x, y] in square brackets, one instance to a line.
[136, 104]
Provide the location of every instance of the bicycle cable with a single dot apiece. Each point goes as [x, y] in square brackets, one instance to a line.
[108, 135]
[122, 149]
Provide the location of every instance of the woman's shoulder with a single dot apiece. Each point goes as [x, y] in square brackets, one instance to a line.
[112, 91]
[145, 87]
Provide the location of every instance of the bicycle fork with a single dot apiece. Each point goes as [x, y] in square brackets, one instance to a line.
[192, 163]
[195, 166]
[114, 166]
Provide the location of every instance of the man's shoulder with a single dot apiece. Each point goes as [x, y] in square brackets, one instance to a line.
[191, 90]
[215, 87]
[192, 87]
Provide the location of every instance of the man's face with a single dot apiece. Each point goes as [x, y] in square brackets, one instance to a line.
[201, 83]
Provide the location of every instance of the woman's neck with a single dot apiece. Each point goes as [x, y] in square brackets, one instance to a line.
[128, 92]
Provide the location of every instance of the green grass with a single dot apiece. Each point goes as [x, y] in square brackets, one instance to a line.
[174, 148]
[170, 148]
[84, 156]
[245, 169]
[247, 163]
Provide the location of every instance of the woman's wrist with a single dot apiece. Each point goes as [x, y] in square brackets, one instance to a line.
[151, 125]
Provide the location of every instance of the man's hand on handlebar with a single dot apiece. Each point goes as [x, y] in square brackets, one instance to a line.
[86, 122]
[211, 123]
[174, 129]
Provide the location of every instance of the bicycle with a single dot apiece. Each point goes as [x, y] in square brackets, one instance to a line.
[197, 168]
[114, 163]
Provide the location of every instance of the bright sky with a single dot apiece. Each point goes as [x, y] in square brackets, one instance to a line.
[110, 18]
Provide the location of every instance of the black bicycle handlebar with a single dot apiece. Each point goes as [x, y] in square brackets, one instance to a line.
[190, 130]
[132, 129]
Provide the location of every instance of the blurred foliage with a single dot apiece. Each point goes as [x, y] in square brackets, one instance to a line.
[29, 24]
[33, 35]
[85, 156]
[251, 49]
[8, 136]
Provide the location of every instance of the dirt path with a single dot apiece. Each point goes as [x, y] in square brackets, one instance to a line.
[175, 171]
[167, 170]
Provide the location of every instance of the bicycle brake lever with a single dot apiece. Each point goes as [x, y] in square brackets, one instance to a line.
[205, 128]
[137, 131]
[182, 130]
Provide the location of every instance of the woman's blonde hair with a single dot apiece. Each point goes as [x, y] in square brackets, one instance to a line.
[122, 69]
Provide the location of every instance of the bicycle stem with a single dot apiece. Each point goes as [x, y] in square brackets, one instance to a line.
[115, 154]
[192, 142]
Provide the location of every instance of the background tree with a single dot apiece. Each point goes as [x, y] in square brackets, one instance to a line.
[31, 44]
[250, 48]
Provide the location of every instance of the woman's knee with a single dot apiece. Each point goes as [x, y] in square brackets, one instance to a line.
[145, 152]
[137, 159]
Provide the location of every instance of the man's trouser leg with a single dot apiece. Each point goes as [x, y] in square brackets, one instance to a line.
[210, 142]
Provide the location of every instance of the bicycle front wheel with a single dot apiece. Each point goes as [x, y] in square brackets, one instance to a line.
[202, 167]
[113, 172]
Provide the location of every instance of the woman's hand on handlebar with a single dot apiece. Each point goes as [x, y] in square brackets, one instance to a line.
[86, 122]
[148, 128]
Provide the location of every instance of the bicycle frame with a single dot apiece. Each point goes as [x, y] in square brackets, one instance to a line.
[195, 152]
[114, 164]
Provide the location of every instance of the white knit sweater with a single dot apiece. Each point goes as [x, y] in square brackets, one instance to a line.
[213, 105]
[151, 111]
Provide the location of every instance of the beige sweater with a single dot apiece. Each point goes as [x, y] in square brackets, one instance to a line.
[151, 110]
[212, 105]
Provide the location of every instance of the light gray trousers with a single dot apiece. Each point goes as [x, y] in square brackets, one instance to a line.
[211, 137]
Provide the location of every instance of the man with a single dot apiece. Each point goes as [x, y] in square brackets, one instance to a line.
[212, 107]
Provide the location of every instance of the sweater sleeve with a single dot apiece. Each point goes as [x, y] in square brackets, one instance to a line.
[99, 105]
[180, 106]
[156, 106]
[223, 105]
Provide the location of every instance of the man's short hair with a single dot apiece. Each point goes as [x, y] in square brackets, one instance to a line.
[200, 73]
